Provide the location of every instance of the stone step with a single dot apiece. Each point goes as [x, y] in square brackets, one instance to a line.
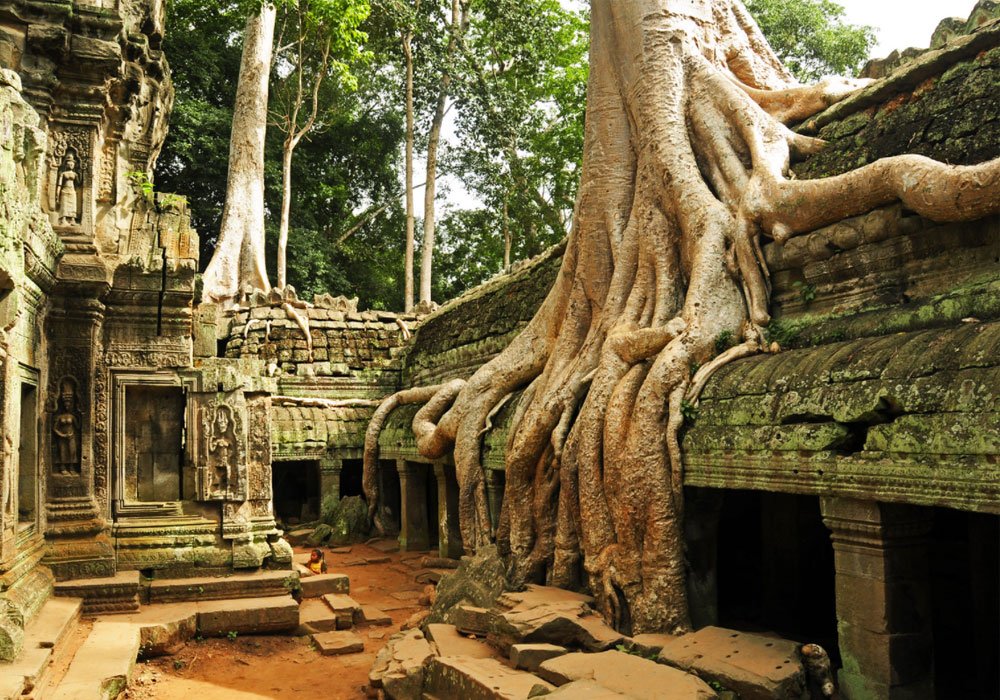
[628, 674]
[268, 615]
[315, 616]
[103, 665]
[374, 616]
[319, 585]
[104, 596]
[45, 644]
[478, 679]
[259, 584]
[347, 610]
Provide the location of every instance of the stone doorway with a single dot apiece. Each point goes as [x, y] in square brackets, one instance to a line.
[964, 560]
[775, 567]
[296, 491]
[27, 457]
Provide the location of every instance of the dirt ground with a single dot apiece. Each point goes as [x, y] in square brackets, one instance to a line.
[287, 666]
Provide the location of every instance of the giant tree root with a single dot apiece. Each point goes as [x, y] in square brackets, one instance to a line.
[686, 165]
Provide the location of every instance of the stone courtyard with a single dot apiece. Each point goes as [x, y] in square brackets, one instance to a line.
[167, 464]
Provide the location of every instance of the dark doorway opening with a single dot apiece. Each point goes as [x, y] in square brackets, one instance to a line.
[296, 491]
[351, 474]
[390, 495]
[433, 517]
[775, 568]
[27, 461]
[965, 604]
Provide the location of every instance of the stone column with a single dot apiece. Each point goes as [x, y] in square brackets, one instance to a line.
[413, 535]
[495, 479]
[329, 482]
[883, 598]
[450, 536]
[75, 439]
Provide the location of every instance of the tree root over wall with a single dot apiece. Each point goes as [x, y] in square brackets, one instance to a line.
[686, 165]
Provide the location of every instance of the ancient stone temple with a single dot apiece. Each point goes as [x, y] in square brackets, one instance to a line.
[125, 448]
[844, 491]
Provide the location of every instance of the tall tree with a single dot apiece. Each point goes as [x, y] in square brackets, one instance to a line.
[324, 40]
[685, 166]
[239, 251]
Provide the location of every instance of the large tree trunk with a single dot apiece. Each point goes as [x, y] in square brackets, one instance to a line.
[685, 165]
[239, 251]
[286, 209]
[458, 25]
[410, 128]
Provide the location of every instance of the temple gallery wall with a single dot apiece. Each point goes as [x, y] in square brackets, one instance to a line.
[844, 491]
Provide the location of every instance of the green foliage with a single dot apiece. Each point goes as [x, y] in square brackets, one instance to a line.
[807, 292]
[140, 180]
[689, 411]
[635, 651]
[231, 635]
[723, 342]
[811, 37]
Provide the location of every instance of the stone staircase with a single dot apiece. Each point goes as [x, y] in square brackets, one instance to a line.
[133, 618]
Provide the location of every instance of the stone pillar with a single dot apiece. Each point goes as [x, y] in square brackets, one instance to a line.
[413, 535]
[495, 479]
[75, 438]
[883, 599]
[329, 482]
[450, 536]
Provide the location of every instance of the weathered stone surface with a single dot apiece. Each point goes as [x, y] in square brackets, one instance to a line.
[472, 620]
[248, 616]
[258, 584]
[399, 666]
[347, 610]
[164, 629]
[316, 616]
[337, 643]
[543, 614]
[102, 667]
[319, 585]
[648, 644]
[478, 679]
[528, 657]
[373, 616]
[448, 642]
[628, 674]
[755, 667]
[104, 596]
[585, 690]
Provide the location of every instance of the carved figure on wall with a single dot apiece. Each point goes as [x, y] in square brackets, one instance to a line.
[221, 449]
[66, 429]
[67, 206]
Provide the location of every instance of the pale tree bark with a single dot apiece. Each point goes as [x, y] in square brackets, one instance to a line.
[685, 166]
[239, 253]
[455, 29]
[407, 42]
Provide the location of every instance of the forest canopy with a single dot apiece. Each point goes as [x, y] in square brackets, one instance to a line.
[514, 129]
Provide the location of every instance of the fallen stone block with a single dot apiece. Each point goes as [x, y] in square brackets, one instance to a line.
[755, 667]
[628, 674]
[479, 679]
[585, 690]
[399, 666]
[384, 546]
[338, 643]
[374, 617]
[472, 620]
[347, 610]
[164, 628]
[543, 614]
[448, 642]
[316, 616]
[248, 616]
[648, 645]
[528, 657]
[434, 576]
[318, 585]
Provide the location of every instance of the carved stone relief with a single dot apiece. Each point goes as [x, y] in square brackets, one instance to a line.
[222, 468]
[66, 429]
[70, 165]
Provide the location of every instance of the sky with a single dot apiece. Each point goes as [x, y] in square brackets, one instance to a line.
[898, 24]
[903, 23]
